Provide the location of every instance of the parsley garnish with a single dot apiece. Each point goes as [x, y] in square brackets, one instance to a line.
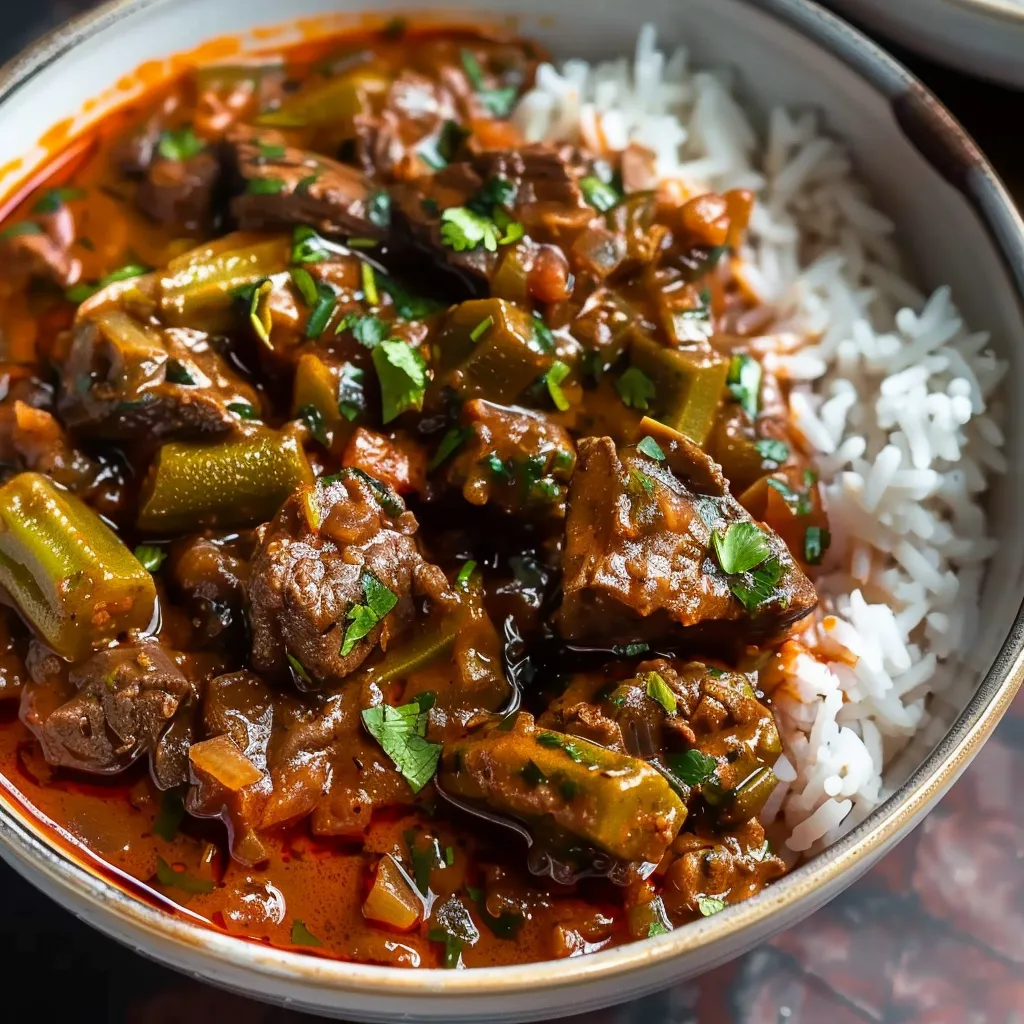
[401, 733]
[302, 936]
[243, 410]
[694, 768]
[364, 617]
[799, 504]
[80, 292]
[303, 280]
[744, 382]
[52, 200]
[450, 443]
[651, 449]
[660, 923]
[762, 582]
[816, 542]
[369, 330]
[630, 650]
[635, 389]
[300, 670]
[351, 397]
[182, 144]
[658, 690]
[150, 556]
[463, 229]
[741, 547]
[24, 227]
[378, 209]
[314, 420]
[174, 879]
[402, 373]
[553, 379]
[709, 905]
[771, 450]
[321, 311]
[598, 193]
[264, 186]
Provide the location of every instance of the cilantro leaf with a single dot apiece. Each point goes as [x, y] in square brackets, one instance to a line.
[407, 305]
[800, 504]
[351, 396]
[303, 280]
[660, 923]
[658, 690]
[694, 768]
[598, 193]
[378, 208]
[180, 144]
[635, 389]
[499, 101]
[709, 905]
[171, 814]
[463, 229]
[300, 671]
[450, 444]
[744, 382]
[150, 556]
[651, 449]
[553, 378]
[401, 733]
[816, 542]
[754, 589]
[243, 410]
[368, 330]
[631, 650]
[740, 548]
[314, 420]
[402, 373]
[771, 450]
[53, 199]
[364, 617]
[20, 228]
[264, 186]
[379, 598]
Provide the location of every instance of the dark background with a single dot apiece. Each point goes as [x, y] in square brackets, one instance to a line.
[933, 935]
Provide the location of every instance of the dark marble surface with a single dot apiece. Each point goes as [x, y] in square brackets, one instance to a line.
[933, 935]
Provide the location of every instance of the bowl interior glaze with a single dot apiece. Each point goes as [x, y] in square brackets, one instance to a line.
[956, 225]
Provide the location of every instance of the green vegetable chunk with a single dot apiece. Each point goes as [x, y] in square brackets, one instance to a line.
[615, 802]
[68, 573]
[235, 483]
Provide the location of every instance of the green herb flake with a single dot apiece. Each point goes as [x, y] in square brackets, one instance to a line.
[450, 444]
[744, 382]
[243, 410]
[402, 373]
[635, 389]
[300, 670]
[264, 186]
[463, 229]
[742, 547]
[176, 372]
[150, 556]
[314, 420]
[569, 788]
[304, 184]
[816, 542]
[401, 733]
[474, 72]
[182, 144]
[369, 280]
[640, 483]
[598, 193]
[322, 310]
[771, 450]
[710, 905]
[493, 462]
[174, 879]
[171, 813]
[368, 330]
[351, 396]
[407, 305]
[20, 228]
[481, 328]
[694, 767]
[424, 860]
[549, 740]
[533, 775]
[303, 280]
[542, 338]
[302, 936]
[271, 151]
[632, 650]
[379, 600]
[553, 379]
[658, 690]
[660, 923]
[649, 447]
[308, 246]
[800, 504]
[465, 574]
[378, 209]
[53, 199]
[499, 101]
[756, 588]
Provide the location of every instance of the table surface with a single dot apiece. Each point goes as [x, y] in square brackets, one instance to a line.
[934, 934]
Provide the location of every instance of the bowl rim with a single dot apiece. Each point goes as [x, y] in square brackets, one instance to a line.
[176, 936]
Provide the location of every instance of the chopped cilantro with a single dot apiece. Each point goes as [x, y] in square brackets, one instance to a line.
[465, 574]
[640, 482]
[53, 199]
[171, 814]
[598, 193]
[533, 775]
[402, 373]
[271, 151]
[320, 313]
[264, 186]
[407, 305]
[182, 144]
[631, 650]
[744, 382]
[709, 905]
[177, 373]
[694, 768]
[300, 671]
[401, 733]
[816, 542]
[450, 443]
[658, 690]
[302, 936]
[474, 72]
[659, 923]
[651, 449]
[351, 397]
[493, 462]
[174, 879]
[150, 556]
[303, 280]
[741, 547]
[243, 410]
[771, 450]
[800, 504]
[762, 582]
[463, 228]
[635, 389]
[20, 228]
[553, 378]
[314, 420]
[364, 617]
[378, 208]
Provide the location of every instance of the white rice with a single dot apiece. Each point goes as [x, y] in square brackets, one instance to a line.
[891, 390]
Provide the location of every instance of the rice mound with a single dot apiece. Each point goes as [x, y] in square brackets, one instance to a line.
[890, 390]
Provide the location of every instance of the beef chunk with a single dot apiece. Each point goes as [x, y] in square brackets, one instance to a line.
[211, 575]
[41, 248]
[114, 708]
[639, 562]
[180, 191]
[517, 459]
[285, 186]
[238, 709]
[532, 185]
[320, 559]
[122, 378]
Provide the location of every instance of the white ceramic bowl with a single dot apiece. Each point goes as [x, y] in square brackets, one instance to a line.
[982, 37]
[956, 223]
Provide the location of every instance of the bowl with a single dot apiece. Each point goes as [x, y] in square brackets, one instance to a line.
[955, 221]
[982, 37]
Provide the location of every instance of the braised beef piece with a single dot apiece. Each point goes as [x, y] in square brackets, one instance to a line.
[639, 563]
[115, 707]
[238, 708]
[284, 186]
[41, 248]
[322, 557]
[211, 575]
[122, 378]
[514, 458]
[534, 186]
